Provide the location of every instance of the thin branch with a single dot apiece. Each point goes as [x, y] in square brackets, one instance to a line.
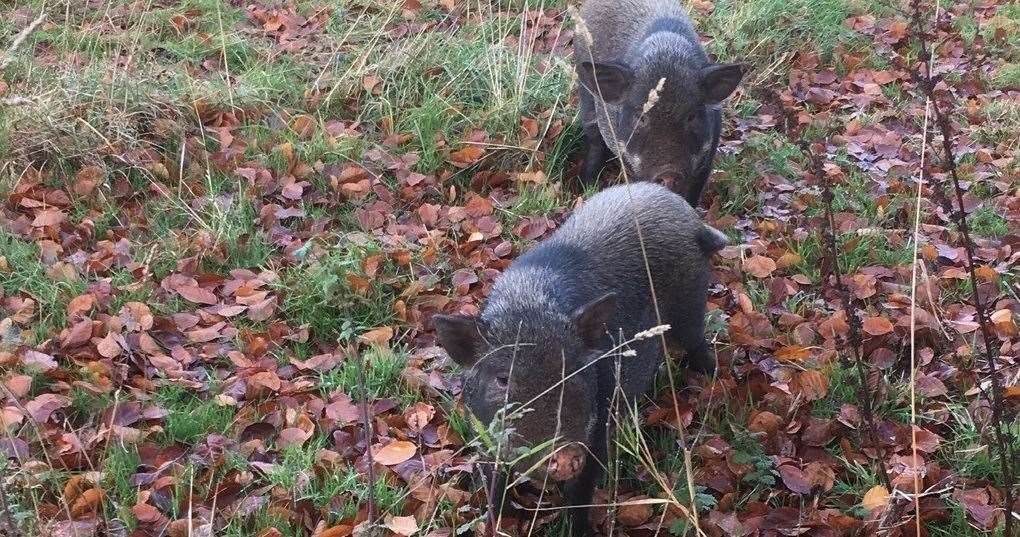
[367, 422]
[8, 520]
[814, 155]
[854, 323]
[926, 84]
[19, 39]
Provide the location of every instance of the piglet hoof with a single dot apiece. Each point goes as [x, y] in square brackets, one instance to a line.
[566, 463]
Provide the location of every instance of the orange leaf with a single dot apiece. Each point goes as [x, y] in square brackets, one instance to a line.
[793, 353]
[343, 530]
[759, 266]
[87, 503]
[877, 326]
[146, 513]
[813, 384]
[876, 498]
[633, 514]
[986, 273]
[196, 294]
[394, 452]
[787, 260]
[377, 336]
[402, 525]
[304, 126]
[466, 156]
[50, 217]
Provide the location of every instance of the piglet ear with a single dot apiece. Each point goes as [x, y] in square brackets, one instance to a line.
[610, 80]
[460, 336]
[590, 319]
[719, 80]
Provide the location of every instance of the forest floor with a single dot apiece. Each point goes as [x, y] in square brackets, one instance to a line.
[215, 212]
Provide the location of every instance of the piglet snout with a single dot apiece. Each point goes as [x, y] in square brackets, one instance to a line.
[566, 462]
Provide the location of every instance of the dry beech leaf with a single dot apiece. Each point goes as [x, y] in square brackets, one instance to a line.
[877, 497]
[377, 336]
[402, 525]
[394, 453]
[759, 266]
[877, 326]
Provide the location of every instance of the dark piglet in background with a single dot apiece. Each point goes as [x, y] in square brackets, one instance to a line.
[563, 305]
[634, 45]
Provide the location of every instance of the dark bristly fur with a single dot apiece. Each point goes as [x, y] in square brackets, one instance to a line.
[564, 303]
[635, 44]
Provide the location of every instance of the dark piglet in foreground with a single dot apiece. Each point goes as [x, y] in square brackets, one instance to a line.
[634, 45]
[562, 305]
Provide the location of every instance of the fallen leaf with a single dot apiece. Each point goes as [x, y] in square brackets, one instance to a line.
[402, 525]
[633, 514]
[395, 452]
[877, 326]
[877, 497]
[50, 217]
[196, 294]
[759, 266]
[377, 336]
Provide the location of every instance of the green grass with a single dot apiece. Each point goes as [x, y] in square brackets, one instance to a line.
[382, 376]
[764, 31]
[319, 294]
[26, 274]
[986, 222]
[191, 418]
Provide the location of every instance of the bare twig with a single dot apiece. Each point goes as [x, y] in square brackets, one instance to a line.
[814, 154]
[925, 83]
[367, 422]
[864, 395]
[8, 520]
[19, 39]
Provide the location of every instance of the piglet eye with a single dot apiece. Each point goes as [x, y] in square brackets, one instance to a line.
[502, 381]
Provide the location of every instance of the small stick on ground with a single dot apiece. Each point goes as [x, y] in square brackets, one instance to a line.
[367, 422]
[854, 323]
[925, 84]
[19, 39]
[8, 520]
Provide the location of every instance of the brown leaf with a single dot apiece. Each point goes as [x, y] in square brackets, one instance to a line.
[633, 514]
[80, 305]
[419, 415]
[293, 437]
[395, 452]
[196, 294]
[39, 360]
[146, 513]
[877, 326]
[759, 266]
[19, 385]
[795, 479]
[79, 333]
[402, 525]
[377, 336]
[108, 347]
[42, 407]
[87, 503]
[877, 497]
[266, 379]
[343, 410]
[50, 217]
